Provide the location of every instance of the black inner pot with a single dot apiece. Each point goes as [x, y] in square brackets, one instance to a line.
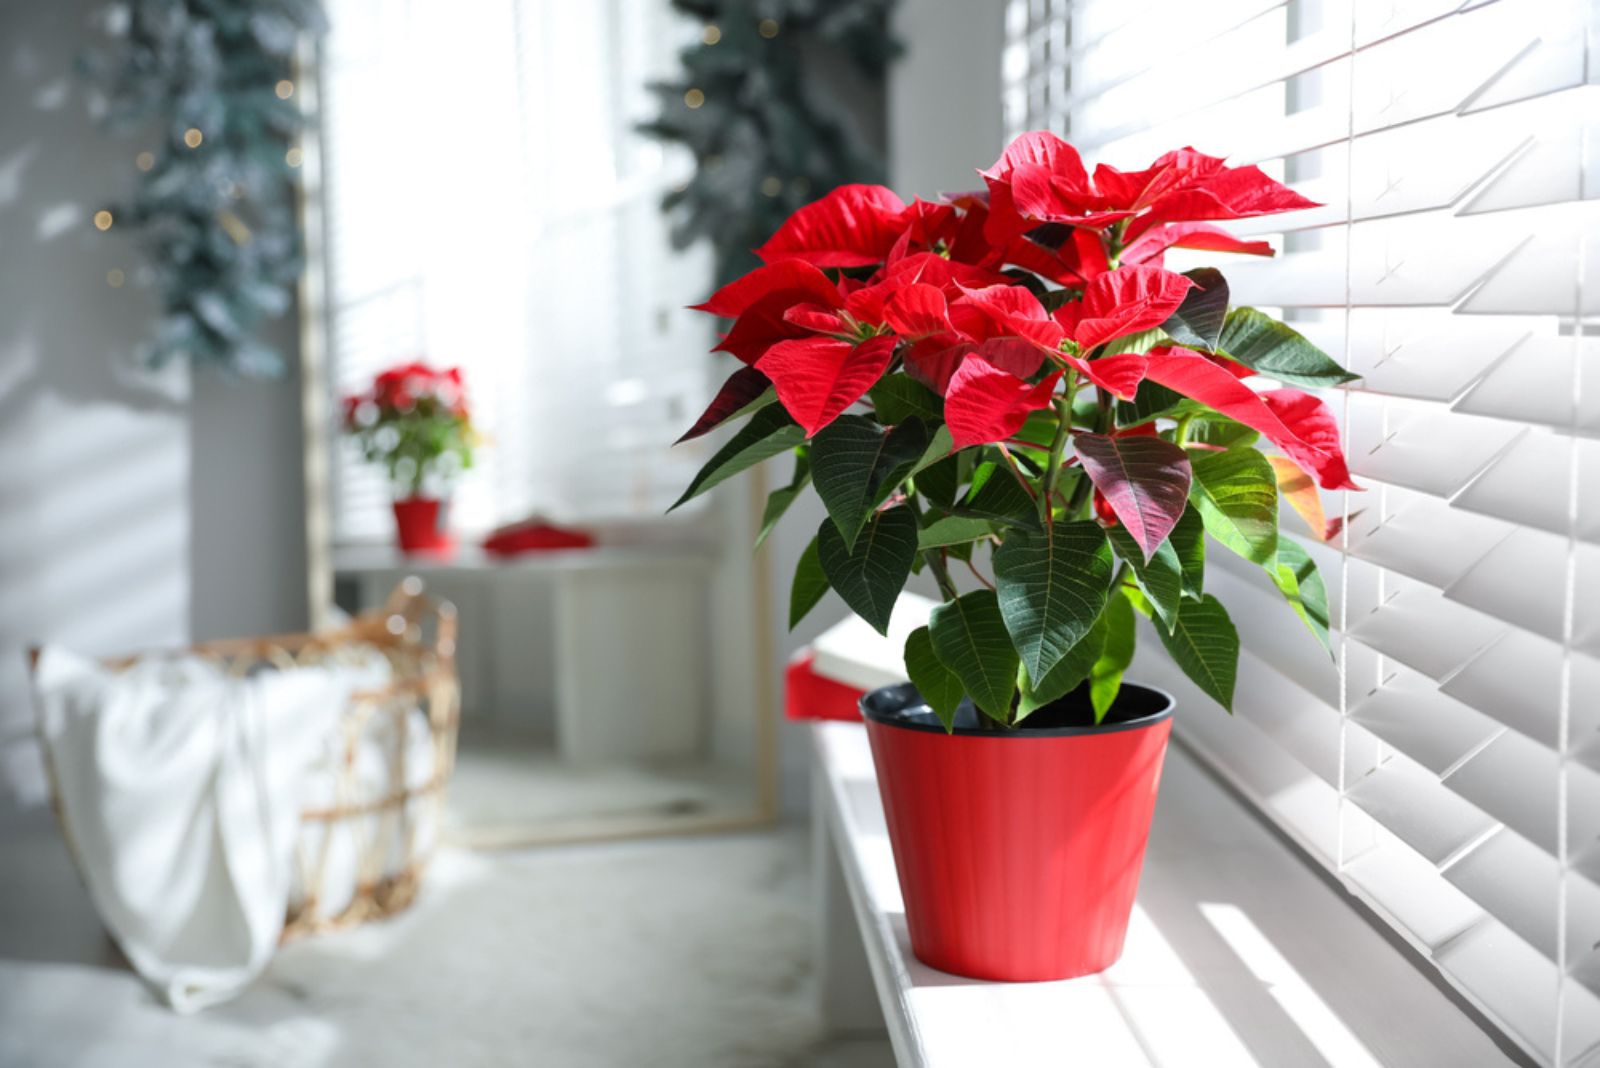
[1135, 706]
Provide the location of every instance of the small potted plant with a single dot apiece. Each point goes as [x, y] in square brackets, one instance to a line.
[414, 420]
[1008, 389]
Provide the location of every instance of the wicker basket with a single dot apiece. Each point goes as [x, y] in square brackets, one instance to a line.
[379, 831]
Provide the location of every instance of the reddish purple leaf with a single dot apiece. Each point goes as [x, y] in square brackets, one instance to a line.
[742, 387]
[1145, 480]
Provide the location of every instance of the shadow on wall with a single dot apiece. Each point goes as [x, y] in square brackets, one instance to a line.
[94, 449]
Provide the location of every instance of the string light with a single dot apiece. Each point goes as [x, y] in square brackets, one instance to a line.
[102, 220]
[767, 28]
[145, 160]
[284, 89]
[711, 34]
[693, 99]
[115, 278]
[293, 157]
[771, 186]
[192, 137]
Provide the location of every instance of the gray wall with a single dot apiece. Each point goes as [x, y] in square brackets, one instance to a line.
[137, 509]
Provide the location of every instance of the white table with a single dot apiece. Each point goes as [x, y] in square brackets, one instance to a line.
[1238, 953]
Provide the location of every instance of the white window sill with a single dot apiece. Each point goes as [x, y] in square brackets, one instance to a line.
[1238, 953]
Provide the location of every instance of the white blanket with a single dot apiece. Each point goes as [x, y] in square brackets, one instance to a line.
[180, 790]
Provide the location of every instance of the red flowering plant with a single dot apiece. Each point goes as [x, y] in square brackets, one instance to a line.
[414, 420]
[1011, 380]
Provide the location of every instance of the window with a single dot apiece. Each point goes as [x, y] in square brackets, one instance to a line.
[1447, 765]
[489, 204]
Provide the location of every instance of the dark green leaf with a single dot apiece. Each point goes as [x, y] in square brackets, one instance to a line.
[938, 450]
[745, 390]
[779, 500]
[1205, 645]
[1236, 493]
[1052, 585]
[1066, 675]
[1263, 344]
[870, 574]
[769, 432]
[808, 587]
[1222, 432]
[953, 530]
[898, 397]
[1161, 578]
[938, 685]
[1105, 678]
[856, 464]
[1188, 540]
[970, 638]
[1199, 319]
[938, 482]
[1151, 401]
[1297, 576]
[996, 494]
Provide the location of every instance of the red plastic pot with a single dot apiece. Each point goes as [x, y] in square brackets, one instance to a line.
[1019, 851]
[420, 525]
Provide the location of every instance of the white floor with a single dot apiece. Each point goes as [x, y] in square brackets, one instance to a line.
[688, 952]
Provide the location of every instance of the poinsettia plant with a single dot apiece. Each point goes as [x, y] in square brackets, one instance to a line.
[1010, 382]
[414, 420]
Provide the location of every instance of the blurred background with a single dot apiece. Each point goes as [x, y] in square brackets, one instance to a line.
[222, 221]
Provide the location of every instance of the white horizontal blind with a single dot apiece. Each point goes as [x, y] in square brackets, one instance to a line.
[1447, 765]
[489, 204]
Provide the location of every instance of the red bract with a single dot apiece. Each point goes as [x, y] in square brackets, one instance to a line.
[986, 404]
[817, 378]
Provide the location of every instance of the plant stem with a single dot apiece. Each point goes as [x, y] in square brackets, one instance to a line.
[1058, 446]
[934, 558]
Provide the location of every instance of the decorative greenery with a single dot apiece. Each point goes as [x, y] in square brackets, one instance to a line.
[415, 421]
[214, 206]
[762, 144]
[1014, 384]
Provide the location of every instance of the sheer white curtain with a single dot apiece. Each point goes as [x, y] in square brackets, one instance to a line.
[1447, 765]
[488, 204]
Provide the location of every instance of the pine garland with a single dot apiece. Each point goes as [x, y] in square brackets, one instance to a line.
[762, 145]
[214, 204]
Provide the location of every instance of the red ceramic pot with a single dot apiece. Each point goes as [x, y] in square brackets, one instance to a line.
[1019, 851]
[420, 524]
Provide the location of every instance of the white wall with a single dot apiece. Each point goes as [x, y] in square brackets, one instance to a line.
[136, 508]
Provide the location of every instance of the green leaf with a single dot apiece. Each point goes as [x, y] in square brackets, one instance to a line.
[970, 637]
[996, 494]
[779, 500]
[808, 586]
[1236, 493]
[1065, 676]
[953, 530]
[1161, 578]
[1188, 540]
[856, 464]
[1297, 576]
[898, 397]
[1143, 341]
[769, 432]
[1153, 400]
[1222, 432]
[1205, 645]
[870, 574]
[938, 482]
[1052, 585]
[938, 450]
[1199, 319]
[938, 685]
[1263, 344]
[1105, 678]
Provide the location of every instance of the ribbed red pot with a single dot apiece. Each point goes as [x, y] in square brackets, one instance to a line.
[1018, 851]
[419, 524]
